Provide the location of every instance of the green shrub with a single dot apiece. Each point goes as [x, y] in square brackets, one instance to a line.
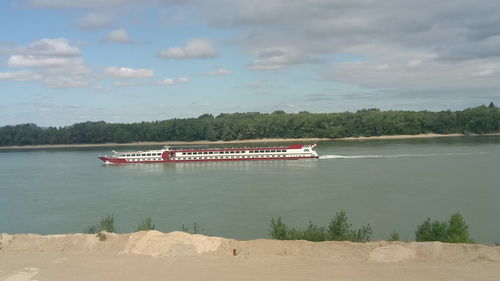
[453, 231]
[339, 229]
[197, 228]
[313, 233]
[362, 235]
[458, 230]
[93, 229]
[435, 231]
[278, 229]
[102, 236]
[147, 224]
[394, 236]
[108, 224]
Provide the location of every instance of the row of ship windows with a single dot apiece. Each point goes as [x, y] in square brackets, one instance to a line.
[150, 159]
[207, 152]
[141, 154]
[238, 157]
[218, 157]
[232, 152]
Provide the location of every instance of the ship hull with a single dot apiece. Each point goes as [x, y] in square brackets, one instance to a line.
[113, 160]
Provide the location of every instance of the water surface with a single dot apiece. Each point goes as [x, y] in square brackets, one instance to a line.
[392, 184]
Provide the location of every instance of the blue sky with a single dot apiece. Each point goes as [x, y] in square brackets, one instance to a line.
[68, 61]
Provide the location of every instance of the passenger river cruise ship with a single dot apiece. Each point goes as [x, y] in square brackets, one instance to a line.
[173, 154]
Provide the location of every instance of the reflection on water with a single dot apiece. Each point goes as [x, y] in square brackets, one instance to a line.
[215, 166]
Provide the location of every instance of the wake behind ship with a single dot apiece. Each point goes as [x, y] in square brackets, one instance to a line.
[173, 154]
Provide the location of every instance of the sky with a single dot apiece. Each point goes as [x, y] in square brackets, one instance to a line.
[69, 61]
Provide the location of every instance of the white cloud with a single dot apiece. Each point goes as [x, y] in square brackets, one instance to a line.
[88, 4]
[219, 71]
[123, 84]
[255, 85]
[37, 61]
[58, 47]
[382, 66]
[198, 48]
[125, 72]
[276, 58]
[166, 81]
[182, 80]
[485, 72]
[60, 64]
[424, 77]
[94, 21]
[414, 63]
[403, 38]
[20, 76]
[118, 36]
[173, 81]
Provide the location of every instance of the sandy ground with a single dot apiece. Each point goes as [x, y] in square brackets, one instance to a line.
[308, 140]
[180, 256]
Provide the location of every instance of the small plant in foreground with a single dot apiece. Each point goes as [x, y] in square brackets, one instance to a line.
[106, 225]
[102, 236]
[93, 229]
[394, 236]
[147, 224]
[197, 229]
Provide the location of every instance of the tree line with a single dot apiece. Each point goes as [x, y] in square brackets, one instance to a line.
[253, 125]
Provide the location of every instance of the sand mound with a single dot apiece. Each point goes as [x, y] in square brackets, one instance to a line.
[5, 240]
[391, 253]
[153, 255]
[173, 244]
[181, 244]
[61, 242]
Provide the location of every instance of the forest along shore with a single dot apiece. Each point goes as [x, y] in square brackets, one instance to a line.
[153, 255]
[268, 140]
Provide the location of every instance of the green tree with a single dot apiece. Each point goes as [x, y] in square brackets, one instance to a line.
[431, 231]
[252, 125]
[394, 236]
[362, 235]
[108, 224]
[455, 230]
[146, 224]
[339, 228]
[197, 228]
[313, 233]
[278, 229]
[458, 230]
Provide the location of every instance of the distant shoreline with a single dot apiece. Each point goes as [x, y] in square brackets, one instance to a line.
[385, 137]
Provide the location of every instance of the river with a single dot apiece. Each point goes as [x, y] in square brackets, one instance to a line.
[392, 184]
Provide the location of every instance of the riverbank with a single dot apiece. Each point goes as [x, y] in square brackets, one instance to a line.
[154, 255]
[254, 141]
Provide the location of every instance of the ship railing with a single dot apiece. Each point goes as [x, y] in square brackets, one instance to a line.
[183, 148]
